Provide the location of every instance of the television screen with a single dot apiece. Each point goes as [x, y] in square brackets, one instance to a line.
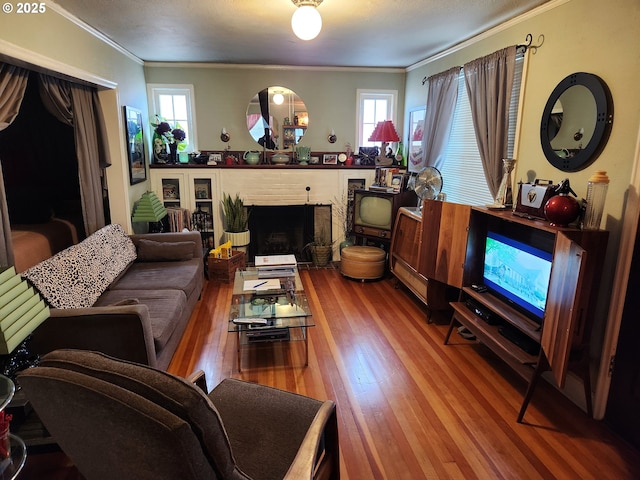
[518, 272]
[373, 211]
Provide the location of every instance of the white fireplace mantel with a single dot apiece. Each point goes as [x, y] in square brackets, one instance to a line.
[267, 186]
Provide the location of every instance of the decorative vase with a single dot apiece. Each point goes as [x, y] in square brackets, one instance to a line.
[562, 209]
[505, 192]
[321, 255]
[173, 153]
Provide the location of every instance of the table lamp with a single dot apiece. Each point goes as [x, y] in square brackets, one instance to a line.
[22, 310]
[150, 209]
[384, 132]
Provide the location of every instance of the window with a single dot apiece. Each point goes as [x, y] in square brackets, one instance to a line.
[462, 173]
[374, 106]
[175, 104]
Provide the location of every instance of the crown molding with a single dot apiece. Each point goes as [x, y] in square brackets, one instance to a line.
[248, 66]
[31, 60]
[92, 31]
[489, 33]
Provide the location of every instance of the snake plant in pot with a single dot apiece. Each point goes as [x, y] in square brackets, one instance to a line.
[236, 219]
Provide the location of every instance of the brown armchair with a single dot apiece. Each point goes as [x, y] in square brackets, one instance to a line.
[120, 420]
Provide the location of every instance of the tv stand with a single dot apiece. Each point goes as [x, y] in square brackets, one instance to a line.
[577, 259]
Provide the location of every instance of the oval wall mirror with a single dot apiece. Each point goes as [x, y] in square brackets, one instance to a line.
[277, 118]
[576, 122]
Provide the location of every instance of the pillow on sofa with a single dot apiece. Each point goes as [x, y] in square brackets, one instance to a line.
[78, 275]
[152, 251]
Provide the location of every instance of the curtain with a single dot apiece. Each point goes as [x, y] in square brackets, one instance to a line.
[13, 83]
[489, 82]
[77, 105]
[441, 104]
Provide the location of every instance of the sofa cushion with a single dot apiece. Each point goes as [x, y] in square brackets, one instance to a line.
[77, 276]
[151, 251]
[165, 308]
[183, 276]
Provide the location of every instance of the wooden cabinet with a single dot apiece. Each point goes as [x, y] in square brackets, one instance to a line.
[404, 259]
[577, 257]
[444, 241]
[191, 197]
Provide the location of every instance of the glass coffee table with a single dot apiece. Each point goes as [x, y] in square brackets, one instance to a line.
[269, 310]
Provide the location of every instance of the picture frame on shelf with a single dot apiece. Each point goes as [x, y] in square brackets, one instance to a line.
[135, 145]
[214, 159]
[330, 159]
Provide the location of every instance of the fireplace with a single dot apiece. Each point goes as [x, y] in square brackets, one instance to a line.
[286, 229]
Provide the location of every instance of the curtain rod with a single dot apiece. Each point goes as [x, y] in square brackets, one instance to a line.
[524, 47]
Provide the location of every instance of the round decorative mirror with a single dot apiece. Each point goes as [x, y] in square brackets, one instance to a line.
[277, 118]
[576, 122]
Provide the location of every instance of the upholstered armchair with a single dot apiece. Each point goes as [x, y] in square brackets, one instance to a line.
[122, 420]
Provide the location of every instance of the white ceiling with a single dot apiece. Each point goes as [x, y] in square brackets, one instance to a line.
[362, 33]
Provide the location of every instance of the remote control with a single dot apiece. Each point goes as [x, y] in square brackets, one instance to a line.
[249, 321]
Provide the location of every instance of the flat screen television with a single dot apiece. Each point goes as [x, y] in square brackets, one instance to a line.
[373, 210]
[518, 273]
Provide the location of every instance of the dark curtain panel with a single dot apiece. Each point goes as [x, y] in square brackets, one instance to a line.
[75, 105]
[13, 83]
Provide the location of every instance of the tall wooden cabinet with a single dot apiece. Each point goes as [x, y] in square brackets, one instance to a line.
[564, 335]
[444, 246]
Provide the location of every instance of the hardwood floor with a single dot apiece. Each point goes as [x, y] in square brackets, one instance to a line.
[409, 407]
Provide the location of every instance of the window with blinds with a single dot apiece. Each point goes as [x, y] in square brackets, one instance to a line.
[463, 177]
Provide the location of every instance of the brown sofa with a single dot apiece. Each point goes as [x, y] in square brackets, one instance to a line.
[139, 309]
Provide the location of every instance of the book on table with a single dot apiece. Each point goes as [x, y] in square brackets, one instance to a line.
[273, 266]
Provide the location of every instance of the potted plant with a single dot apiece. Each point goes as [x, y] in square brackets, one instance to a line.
[236, 219]
[321, 249]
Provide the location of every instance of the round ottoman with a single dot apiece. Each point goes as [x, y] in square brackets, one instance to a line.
[364, 263]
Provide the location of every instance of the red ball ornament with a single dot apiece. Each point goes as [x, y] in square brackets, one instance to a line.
[561, 210]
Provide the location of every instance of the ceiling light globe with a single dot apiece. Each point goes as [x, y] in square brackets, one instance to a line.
[278, 99]
[306, 22]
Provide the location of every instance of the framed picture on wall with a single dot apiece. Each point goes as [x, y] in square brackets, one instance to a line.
[414, 142]
[135, 145]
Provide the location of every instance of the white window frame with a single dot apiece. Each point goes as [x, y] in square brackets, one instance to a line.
[370, 94]
[154, 90]
[463, 177]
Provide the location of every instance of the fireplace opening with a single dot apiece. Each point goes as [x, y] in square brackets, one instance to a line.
[286, 229]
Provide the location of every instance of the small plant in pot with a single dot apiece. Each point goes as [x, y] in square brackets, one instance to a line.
[236, 219]
[321, 249]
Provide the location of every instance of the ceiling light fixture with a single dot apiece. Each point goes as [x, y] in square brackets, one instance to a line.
[306, 22]
[278, 98]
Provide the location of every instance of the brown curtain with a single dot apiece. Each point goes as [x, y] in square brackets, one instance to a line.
[78, 106]
[13, 83]
[441, 105]
[489, 82]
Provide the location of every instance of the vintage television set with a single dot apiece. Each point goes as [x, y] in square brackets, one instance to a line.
[375, 211]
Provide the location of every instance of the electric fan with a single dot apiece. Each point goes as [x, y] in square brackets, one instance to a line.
[427, 184]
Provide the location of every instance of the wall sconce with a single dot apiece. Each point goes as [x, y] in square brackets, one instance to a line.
[332, 137]
[578, 135]
[224, 136]
[306, 21]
